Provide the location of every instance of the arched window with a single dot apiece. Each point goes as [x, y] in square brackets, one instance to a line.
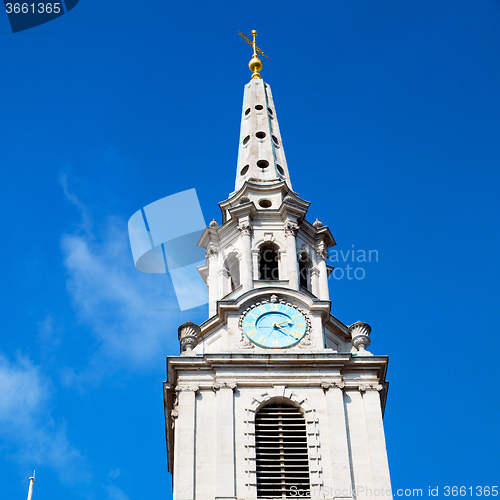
[268, 262]
[281, 452]
[232, 267]
[304, 270]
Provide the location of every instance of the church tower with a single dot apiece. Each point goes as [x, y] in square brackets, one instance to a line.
[272, 397]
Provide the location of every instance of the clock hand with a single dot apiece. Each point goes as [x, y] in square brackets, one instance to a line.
[290, 335]
[287, 321]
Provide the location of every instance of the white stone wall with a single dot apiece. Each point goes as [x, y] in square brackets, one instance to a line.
[339, 395]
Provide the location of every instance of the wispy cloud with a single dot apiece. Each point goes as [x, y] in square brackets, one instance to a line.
[30, 434]
[129, 313]
[116, 493]
[114, 473]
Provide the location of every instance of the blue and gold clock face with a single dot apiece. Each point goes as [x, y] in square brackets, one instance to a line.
[274, 325]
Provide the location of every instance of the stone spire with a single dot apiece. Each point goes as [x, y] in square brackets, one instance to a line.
[261, 158]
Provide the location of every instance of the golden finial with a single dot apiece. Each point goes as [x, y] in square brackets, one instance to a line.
[255, 63]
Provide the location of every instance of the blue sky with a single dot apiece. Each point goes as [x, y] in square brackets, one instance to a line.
[390, 118]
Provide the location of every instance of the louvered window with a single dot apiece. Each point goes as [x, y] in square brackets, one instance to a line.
[281, 448]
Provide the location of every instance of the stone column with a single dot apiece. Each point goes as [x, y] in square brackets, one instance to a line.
[226, 472]
[291, 229]
[360, 453]
[246, 267]
[184, 465]
[213, 279]
[376, 437]
[322, 256]
[339, 452]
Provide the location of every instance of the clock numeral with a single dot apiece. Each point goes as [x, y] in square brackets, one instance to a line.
[251, 331]
[300, 324]
[296, 334]
[287, 307]
[263, 309]
[296, 316]
[250, 324]
[275, 343]
[252, 334]
[250, 314]
[290, 342]
[262, 340]
[274, 307]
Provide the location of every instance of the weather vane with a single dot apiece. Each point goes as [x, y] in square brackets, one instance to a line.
[255, 63]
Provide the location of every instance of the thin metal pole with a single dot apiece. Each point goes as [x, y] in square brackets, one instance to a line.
[30, 491]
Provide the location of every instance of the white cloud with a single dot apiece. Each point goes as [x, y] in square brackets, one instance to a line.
[30, 434]
[114, 473]
[132, 315]
[116, 493]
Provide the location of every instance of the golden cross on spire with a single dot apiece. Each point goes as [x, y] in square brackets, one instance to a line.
[255, 63]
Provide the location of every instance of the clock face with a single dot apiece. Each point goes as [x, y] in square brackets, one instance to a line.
[274, 325]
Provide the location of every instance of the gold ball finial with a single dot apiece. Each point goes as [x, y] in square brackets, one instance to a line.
[255, 63]
[255, 66]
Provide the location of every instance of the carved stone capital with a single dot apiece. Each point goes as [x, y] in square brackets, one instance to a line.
[224, 385]
[212, 252]
[188, 337]
[331, 385]
[245, 228]
[370, 387]
[274, 298]
[291, 228]
[360, 335]
[187, 388]
[322, 251]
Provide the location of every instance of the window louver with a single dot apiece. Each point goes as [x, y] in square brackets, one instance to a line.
[281, 448]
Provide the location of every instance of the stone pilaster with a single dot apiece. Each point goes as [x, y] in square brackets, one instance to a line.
[212, 256]
[360, 452]
[184, 470]
[339, 451]
[376, 437]
[226, 487]
[322, 256]
[291, 229]
[246, 267]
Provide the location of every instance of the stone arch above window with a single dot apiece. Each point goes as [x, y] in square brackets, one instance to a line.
[281, 395]
[282, 461]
